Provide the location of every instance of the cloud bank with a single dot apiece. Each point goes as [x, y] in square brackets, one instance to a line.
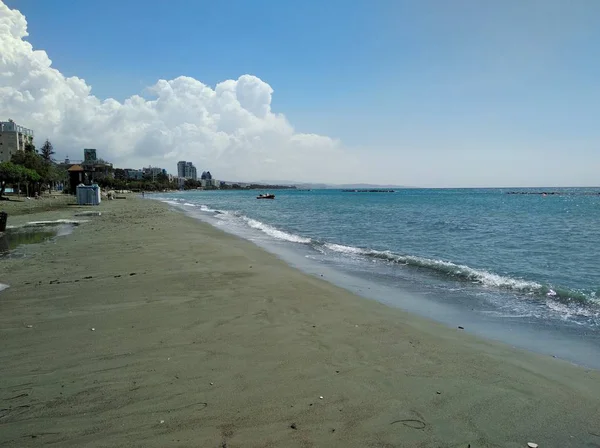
[229, 129]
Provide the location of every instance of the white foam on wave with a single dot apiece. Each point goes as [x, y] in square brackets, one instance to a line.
[345, 249]
[567, 311]
[480, 276]
[504, 315]
[206, 208]
[483, 278]
[3, 286]
[275, 233]
[182, 202]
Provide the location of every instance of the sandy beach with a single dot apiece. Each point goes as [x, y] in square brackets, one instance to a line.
[147, 328]
[21, 205]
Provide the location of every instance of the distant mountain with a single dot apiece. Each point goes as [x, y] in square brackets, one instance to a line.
[306, 186]
[319, 186]
[278, 182]
[363, 186]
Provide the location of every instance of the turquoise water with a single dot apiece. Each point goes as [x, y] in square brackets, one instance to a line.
[528, 257]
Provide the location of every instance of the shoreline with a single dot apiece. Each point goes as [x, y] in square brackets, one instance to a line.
[550, 336]
[225, 343]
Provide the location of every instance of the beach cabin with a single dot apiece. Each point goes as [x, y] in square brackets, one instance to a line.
[76, 177]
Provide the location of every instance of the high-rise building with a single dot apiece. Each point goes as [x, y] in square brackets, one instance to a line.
[89, 155]
[13, 138]
[154, 171]
[181, 169]
[190, 171]
[186, 170]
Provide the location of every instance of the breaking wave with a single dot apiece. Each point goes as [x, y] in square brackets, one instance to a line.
[440, 267]
[275, 233]
[467, 273]
[551, 294]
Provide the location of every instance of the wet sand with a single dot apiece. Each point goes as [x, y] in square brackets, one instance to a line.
[146, 328]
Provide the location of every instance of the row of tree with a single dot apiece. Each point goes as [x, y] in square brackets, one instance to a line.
[137, 185]
[36, 171]
[159, 182]
[31, 169]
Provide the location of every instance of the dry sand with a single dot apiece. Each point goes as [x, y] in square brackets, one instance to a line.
[204, 340]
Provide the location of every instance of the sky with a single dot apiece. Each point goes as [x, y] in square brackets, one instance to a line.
[434, 93]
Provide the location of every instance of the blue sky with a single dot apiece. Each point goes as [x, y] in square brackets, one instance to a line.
[508, 88]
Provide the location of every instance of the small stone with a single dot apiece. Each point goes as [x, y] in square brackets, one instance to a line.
[532, 445]
[212, 384]
[438, 392]
[293, 426]
[93, 329]
[321, 397]
[162, 421]
[461, 328]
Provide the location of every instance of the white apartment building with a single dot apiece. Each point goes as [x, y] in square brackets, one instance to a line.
[13, 138]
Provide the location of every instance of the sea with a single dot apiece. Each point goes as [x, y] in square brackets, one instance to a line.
[513, 265]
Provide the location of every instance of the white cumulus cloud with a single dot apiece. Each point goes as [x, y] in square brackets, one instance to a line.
[229, 129]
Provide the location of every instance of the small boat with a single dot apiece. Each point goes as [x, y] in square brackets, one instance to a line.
[265, 196]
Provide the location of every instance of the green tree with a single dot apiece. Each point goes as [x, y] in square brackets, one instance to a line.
[49, 172]
[47, 151]
[42, 164]
[32, 178]
[30, 147]
[191, 184]
[13, 174]
[28, 159]
[9, 174]
[120, 174]
[56, 174]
